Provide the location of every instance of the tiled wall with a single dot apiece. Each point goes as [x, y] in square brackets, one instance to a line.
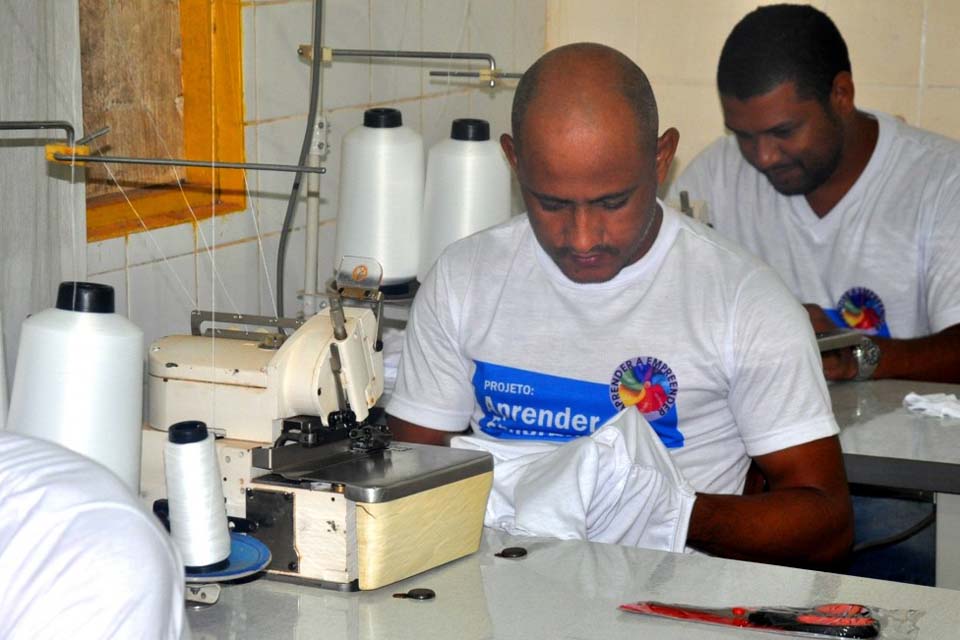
[162, 275]
[904, 54]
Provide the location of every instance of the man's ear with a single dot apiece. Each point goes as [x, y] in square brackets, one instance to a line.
[506, 143]
[666, 148]
[841, 93]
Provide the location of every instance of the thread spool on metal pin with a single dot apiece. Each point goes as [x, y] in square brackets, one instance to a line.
[198, 517]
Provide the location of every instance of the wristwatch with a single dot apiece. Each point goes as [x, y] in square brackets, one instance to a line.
[867, 354]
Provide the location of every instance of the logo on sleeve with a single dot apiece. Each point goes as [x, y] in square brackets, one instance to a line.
[649, 385]
[861, 309]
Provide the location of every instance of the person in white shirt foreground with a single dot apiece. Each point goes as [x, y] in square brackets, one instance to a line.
[79, 556]
[602, 299]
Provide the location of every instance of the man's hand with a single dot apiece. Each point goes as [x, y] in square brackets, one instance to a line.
[935, 357]
[404, 431]
[819, 319]
[838, 364]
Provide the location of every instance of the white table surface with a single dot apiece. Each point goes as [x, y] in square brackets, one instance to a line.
[561, 589]
[885, 445]
[909, 450]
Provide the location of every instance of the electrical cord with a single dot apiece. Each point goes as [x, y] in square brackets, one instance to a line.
[304, 150]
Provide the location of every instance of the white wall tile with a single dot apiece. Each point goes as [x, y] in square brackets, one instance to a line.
[340, 123]
[490, 30]
[251, 146]
[939, 112]
[494, 107]
[162, 295]
[615, 24]
[283, 79]
[169, 242]
[395, 25]
[445, 25]
[248, 15]
[695, 112]
[346, 81]
[439, 112]
[236, 278]
[326, 251]
[943, 34]
[107, 255]
[278, 142]
[883, 37]
[897, 101]
[680, 41]
[293, 273]
[530, 33]
[117, 280]
[226, 229]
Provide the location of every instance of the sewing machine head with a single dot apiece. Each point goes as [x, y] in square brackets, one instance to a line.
[243, 384]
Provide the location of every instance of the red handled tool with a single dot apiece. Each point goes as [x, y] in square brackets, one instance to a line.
[829, 620]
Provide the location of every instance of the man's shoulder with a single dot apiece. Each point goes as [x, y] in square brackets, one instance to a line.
[708, 245]
[486, 247]
[918, 145]
[720, 153]
[716, 174]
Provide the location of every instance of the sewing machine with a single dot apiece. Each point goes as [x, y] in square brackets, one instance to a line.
[306, 464]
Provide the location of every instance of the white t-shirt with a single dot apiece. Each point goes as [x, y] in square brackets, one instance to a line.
[885, 259]
[704, 340]
[79, 556]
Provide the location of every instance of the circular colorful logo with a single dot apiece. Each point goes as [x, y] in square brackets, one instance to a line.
[862, 309]
[645, 383]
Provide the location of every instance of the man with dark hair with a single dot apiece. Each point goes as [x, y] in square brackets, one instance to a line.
[856, 211]
[601, 301]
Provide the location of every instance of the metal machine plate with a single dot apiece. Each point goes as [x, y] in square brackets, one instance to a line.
[273, 513]
[400, 470]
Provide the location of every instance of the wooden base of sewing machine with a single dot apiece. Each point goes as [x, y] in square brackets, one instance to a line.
[321, 537]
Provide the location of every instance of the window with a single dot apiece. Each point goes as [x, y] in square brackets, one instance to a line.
[166, 76]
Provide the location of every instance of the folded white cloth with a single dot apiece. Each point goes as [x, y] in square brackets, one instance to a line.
[940, 405]
[618, 485]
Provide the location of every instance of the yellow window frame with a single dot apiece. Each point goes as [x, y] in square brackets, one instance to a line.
[212, 73]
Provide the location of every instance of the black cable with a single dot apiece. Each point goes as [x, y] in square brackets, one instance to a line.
[925, 522]
[304, 149]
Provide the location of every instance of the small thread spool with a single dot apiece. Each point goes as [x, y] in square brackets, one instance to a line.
[198, 516]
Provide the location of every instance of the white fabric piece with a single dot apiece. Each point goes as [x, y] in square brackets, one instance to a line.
[42, 213]
[3, 381]
[392, 348]
[895, 233]
[79, 555]
[618, 486]
[940, 405]
[700, 338]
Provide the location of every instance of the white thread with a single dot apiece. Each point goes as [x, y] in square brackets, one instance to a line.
[381, 197]
[183, 288]
[198, 517]
[467, 189]
[78, 383]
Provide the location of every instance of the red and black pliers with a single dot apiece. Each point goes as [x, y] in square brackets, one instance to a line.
[837, 620]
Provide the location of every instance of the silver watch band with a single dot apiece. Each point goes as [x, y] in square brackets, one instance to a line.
[867, 354]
